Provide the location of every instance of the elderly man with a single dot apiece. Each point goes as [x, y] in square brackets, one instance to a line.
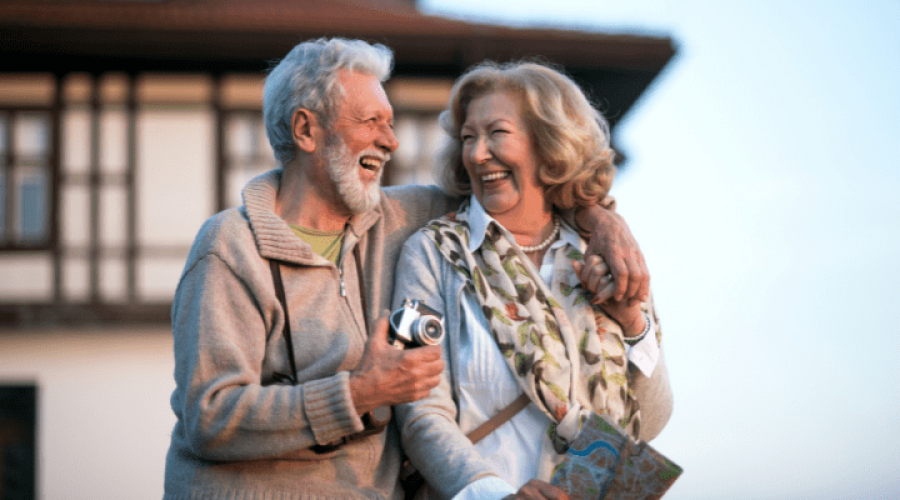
[279, 358]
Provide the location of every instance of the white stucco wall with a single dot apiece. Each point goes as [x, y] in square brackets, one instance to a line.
[103, 408]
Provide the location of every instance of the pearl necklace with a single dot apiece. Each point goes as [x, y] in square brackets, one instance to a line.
[547, 241]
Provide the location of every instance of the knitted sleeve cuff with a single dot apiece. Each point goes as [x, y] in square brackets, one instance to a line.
[329, 408]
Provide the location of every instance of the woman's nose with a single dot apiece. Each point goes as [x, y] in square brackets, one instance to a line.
[480, 152]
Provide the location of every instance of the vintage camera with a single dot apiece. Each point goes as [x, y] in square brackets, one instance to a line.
[415, 324]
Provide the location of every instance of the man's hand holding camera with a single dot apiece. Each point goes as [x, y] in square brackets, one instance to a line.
[388, 376]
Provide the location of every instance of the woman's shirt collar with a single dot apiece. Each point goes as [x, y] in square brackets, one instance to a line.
[479, 220]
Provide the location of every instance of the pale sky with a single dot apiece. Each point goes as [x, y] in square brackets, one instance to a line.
[762, 183]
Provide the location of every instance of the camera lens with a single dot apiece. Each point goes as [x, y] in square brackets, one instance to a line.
[427, 330]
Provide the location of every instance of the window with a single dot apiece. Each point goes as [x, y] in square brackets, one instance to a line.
[419, 136]
[246, 153]
[25, 179]
[417, 103]
[105, 179]
[244, 150]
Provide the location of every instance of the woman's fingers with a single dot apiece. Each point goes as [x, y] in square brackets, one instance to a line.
[595, 277]
[606, 292]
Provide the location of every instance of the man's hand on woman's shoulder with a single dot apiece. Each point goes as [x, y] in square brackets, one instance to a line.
[611, 239]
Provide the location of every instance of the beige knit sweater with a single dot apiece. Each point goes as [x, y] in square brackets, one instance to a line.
[241, 435]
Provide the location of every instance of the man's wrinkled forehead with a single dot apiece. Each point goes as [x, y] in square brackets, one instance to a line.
[362, 94]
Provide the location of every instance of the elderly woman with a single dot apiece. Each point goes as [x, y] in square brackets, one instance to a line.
[505, 273]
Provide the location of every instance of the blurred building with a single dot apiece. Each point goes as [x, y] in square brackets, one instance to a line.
[123, 126]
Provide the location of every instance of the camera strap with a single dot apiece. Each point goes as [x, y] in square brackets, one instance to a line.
[362, 286]
[374, 421]
[279, 292]
[275, 267]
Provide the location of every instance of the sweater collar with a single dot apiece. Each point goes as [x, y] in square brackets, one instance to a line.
[274, 237]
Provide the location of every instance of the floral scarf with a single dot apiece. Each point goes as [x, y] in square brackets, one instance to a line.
[567, 354]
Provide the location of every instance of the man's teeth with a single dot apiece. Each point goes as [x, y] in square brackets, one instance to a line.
[370, 163]
[494, 176]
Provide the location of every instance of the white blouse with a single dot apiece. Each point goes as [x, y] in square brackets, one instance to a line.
[487, 385]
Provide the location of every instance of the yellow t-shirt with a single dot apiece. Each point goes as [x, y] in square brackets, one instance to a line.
[325, 243]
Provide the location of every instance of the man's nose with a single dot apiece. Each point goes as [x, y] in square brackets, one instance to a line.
[387, 140]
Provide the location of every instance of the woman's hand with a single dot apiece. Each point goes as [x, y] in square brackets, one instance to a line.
[538, 490]
[595, 277]
[627, 313]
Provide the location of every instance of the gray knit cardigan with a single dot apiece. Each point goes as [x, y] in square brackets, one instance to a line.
[240, 434]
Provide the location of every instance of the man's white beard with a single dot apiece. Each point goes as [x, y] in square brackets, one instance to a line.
[342, 167]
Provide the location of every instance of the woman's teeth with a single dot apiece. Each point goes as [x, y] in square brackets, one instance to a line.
[494, 176]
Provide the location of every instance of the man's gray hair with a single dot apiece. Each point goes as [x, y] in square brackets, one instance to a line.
[308, 78]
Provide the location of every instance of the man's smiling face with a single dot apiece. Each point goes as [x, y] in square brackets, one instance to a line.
[360, 140]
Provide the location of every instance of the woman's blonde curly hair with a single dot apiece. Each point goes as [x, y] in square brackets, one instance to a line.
[571, 137]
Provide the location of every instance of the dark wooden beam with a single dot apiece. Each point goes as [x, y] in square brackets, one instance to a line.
[38, 315]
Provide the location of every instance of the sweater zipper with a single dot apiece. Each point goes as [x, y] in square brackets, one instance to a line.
[340, 267]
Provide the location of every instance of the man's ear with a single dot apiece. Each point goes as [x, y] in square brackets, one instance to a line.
[304, 128]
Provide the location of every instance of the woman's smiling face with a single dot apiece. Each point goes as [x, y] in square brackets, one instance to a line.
[499, 156]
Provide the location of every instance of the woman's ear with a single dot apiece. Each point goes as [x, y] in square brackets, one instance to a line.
[304, 126]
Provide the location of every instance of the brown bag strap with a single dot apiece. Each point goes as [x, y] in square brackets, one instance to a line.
[499, 419]
[412, 480]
